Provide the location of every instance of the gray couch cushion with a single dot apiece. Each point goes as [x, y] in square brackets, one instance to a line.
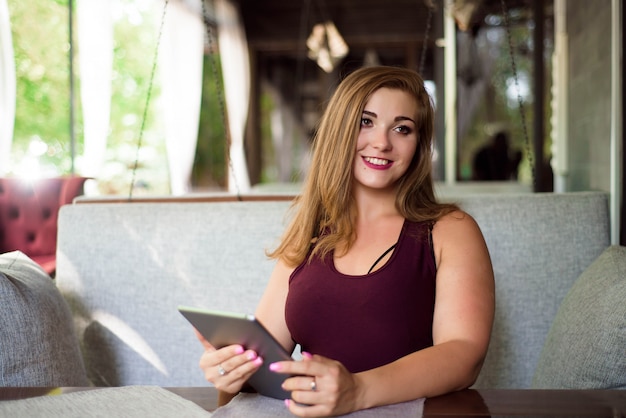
[38, 346]
[586, 346]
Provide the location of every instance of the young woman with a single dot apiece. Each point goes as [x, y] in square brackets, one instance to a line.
[389, 293]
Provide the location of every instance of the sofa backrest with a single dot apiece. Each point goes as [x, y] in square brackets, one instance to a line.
[539, 244]
[125, 267]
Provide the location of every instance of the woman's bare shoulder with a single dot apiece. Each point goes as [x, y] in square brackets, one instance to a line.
[458, 233]
[457, 219]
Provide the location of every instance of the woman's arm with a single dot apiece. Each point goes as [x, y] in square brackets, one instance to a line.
[464, 310]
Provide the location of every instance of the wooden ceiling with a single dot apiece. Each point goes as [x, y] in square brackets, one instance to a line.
[278, 25]
[396, 29]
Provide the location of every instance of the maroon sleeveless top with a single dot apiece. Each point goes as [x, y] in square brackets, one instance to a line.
[366, 321]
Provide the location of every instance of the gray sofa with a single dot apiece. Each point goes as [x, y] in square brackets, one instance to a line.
[123, 268]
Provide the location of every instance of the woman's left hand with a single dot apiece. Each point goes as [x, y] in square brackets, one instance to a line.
[320, 386]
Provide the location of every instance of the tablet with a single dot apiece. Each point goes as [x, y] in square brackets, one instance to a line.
[227, 328]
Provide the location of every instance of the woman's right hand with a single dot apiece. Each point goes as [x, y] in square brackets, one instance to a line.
[228, 368]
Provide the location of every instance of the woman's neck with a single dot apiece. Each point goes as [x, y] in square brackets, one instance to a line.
[374, 204]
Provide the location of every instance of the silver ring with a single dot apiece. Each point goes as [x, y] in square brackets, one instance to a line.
[221, 370]
[313, 385]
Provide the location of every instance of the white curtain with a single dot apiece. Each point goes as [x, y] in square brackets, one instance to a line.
[236, 70]
[7, 88]
[180, 61]
[95, 58]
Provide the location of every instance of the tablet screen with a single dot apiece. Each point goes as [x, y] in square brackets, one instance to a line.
[226, 328]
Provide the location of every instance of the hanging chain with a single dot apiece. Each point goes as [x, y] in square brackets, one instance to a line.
[529, 151]
[301, 56]
[219, 88]
[429, 20]
[145, 110]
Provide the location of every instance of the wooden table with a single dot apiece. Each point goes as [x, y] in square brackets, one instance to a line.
[528, 403]
[466, 403]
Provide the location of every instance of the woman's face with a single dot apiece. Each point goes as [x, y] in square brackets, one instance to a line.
[387, 140]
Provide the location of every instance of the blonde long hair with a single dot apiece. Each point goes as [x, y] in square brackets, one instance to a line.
[326, 204]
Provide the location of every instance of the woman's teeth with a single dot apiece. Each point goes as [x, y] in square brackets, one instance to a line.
[376, 161]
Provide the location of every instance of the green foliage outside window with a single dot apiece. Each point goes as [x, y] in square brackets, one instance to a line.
[41, 45]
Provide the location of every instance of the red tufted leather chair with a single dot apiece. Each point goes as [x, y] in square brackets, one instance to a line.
[28, 215]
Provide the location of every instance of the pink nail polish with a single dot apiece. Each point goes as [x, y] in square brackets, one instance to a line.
[306, 354]
[251, 355]
[287, 402]
[239, 350]
[258, 361]
[275, 367]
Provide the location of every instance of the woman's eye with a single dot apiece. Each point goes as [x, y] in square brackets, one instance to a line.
[366, 121]
[404, 129]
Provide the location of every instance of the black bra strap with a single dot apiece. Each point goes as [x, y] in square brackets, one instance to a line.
[381, 257]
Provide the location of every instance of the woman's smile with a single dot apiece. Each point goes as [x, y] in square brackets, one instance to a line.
[377, 163]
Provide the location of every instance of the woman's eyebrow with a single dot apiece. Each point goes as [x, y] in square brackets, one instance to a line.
[396, 119]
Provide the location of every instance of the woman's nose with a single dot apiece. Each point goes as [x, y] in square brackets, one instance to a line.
[380, 140]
